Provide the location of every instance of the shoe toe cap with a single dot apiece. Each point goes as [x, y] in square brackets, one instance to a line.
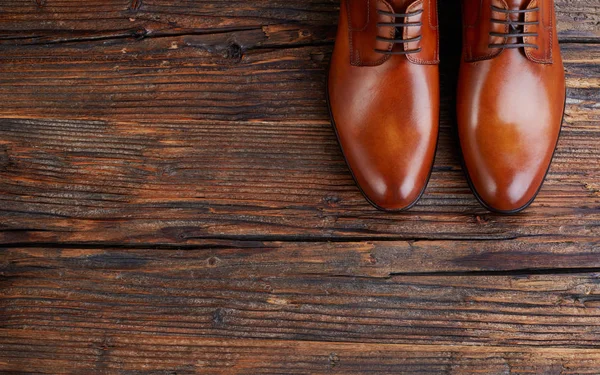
[392, 192]
[504, 193]
[506, 173]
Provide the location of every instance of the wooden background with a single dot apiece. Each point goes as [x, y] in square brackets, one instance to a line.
[173, 200]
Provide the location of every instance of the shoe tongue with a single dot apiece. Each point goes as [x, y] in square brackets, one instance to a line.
[517, 4]
[400, 5]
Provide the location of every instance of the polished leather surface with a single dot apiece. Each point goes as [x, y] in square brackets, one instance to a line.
[386, 108]
[510, 102]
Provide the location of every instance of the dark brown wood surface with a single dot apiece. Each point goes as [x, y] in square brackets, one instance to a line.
[173, 200]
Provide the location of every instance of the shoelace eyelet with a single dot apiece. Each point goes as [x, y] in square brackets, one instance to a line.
[515, 29]
[397, 25]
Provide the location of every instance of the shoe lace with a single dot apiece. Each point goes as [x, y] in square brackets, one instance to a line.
[397, 25]
[516, 28]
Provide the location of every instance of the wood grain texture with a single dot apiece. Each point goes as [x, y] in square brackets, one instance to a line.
[272, 171]
[181, 354]
[99, 308]
[376, 259]
[173, 201]
[63, 20]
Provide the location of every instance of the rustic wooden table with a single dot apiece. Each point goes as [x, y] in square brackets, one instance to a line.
[173, 200]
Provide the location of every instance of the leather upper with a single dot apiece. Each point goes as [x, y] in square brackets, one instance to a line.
[510, 101]
[385, 108]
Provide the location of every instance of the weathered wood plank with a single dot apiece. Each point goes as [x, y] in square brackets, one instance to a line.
[203, 124]
[114, 352]
[247, 153]
[186, 138]
[376, 259]
[100, 294]
[43, 21]
[191, 77]
[182, 184]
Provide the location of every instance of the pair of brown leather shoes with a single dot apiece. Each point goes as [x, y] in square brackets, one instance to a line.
[383, 92]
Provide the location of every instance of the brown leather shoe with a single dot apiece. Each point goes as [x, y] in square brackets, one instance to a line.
[383, 95]
[511, 98]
